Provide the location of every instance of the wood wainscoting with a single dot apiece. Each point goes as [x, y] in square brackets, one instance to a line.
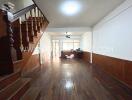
[86, 56]
[118, 68]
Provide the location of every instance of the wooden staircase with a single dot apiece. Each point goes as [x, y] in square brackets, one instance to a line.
[26, 34]
[15, 87]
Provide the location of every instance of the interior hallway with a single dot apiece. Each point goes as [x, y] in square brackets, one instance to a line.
[69, 79]
[96, 31]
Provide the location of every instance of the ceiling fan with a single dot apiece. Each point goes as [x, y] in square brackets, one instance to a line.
[67, 35]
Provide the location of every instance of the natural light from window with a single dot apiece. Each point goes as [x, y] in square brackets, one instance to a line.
[71, 44]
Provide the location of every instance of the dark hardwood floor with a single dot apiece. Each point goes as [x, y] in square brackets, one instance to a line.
[69, 79]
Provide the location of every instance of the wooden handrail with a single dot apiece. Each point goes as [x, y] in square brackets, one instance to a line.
[39, 9]
[23, 11]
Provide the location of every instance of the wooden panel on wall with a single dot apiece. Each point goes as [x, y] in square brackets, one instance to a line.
[17, 39]
[118, 68]
[27, 55]
[128, 72]
[86, 56]
[32, 64]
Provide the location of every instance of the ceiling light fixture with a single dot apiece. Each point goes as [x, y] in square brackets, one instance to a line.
[68, 35]
[70, 7]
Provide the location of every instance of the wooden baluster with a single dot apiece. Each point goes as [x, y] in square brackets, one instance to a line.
[30, 28]
[17, 38]
[41, 21]
[44, 19]
[38, 21]
[25, 39]
[44, 23]
[32, 22]
[35, 24]
[6, 64]
[47, 23]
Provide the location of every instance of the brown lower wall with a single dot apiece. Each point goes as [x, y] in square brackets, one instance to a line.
[32, 64]
[29, 60]
[118, 68]
[86, 56]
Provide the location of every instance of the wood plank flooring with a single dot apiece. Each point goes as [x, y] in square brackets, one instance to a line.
[69, 79]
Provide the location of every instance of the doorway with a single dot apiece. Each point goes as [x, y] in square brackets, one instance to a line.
[55, 48]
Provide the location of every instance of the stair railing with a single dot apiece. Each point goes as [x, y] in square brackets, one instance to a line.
[14, 27]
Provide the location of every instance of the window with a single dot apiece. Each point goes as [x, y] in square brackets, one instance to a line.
[71, 44]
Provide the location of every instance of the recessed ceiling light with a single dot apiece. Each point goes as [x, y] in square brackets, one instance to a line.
[70, 7]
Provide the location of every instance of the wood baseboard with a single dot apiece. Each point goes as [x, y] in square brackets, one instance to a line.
[86, 56]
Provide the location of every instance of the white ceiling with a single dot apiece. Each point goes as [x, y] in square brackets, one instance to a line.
[92, 12]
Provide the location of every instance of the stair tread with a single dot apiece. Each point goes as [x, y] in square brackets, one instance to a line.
[31, 94]
[9, 79]
[10, 89]
[6, 76]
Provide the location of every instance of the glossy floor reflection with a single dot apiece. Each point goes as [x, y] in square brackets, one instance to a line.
[70, 80]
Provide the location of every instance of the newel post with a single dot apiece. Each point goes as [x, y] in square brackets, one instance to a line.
[6, 43]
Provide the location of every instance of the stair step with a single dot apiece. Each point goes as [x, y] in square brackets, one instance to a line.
[32, 94]
[7, 80]
[16, 88]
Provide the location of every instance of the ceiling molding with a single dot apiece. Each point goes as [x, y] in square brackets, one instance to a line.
[75, 29]
[63, 37]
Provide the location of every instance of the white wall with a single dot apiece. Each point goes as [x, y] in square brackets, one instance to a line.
[86, 42]
[113, 35]
[27, 2]
[45, 45]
